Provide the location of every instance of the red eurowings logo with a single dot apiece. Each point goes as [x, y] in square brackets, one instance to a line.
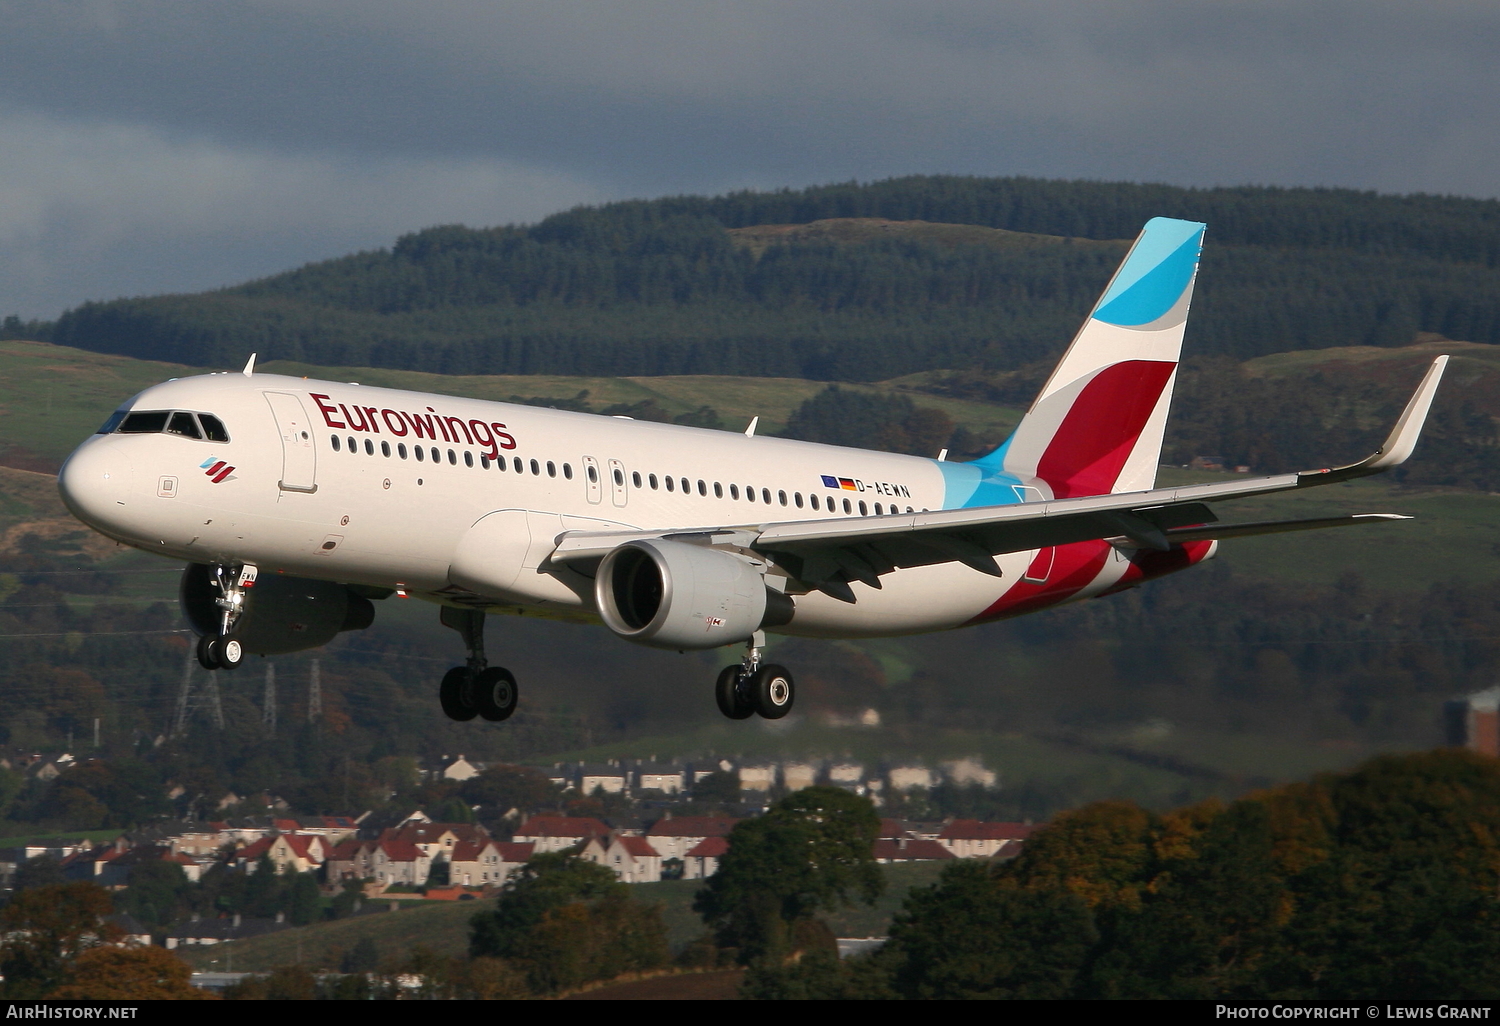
[216, 470]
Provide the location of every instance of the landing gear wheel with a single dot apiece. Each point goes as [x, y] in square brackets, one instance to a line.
[454, 694]
[772, 691]
[208, 658]
[495, 693]
[729, 691]
[229, 651]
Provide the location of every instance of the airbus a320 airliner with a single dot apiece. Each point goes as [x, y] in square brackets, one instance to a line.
[297, 502]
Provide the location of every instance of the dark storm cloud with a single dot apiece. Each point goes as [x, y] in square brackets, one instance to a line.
[249, 136]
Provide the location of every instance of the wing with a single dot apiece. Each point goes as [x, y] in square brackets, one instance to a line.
[829, 554]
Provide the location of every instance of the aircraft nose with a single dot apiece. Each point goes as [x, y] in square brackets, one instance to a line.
[95, 482]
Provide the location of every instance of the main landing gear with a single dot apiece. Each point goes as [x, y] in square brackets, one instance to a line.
[223, 651]
[753, 687]
[475, 689]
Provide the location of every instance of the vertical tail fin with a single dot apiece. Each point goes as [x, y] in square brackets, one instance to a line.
[1097, 426]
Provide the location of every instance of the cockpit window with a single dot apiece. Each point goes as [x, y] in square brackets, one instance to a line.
[213, 428]
[172, 422]
[147, 423]
[184, 424]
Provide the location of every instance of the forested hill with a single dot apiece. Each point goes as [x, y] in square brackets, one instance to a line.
[688, 285]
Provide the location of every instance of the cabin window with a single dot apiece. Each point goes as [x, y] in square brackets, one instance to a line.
[593, 474]
[669, 484]
[734, 491]
[702, 488]
[620, 479]
[848, 508]
[813, 501]
[484, 462]
[437, 457]
[687, 486]
[452, 458]
[797, 498]
[568, 471]
[369, 447]
[877, 510]
[335, 440]
[401, 449]
[213, 428]
[551, 469]
[651, 480]
[468, 458]
[185, 425]
[516, 462]
[765, 496]
[419, 453]
[718, 490]
[862, 510]
[536, 469]
[635, 478]
[781, 498]
[749, 493]
[385, 449]
[353, 446]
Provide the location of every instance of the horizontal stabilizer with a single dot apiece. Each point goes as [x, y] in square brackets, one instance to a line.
[1207, 532]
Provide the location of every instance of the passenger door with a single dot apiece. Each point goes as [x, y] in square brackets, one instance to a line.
[299, 457]
[617, 484]
[591, 477]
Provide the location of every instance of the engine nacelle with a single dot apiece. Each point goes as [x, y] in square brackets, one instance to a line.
[669, 594]
[281, 614]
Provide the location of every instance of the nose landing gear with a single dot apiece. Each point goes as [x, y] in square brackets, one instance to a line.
[476, 688]
[224, 651]
[755, 688]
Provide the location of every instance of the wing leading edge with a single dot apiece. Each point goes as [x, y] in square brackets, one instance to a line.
[829, 554]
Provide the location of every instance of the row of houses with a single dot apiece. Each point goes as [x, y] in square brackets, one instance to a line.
[646, 778]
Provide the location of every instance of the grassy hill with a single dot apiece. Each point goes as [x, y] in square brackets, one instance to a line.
[443, 927]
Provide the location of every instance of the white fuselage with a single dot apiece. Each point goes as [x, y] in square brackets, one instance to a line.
[313, 483]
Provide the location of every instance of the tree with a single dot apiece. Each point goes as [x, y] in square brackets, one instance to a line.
[364, 957]
[813, 851]
[42, 871]
[305, 900]
[128, 974]
[545, 882]
[721, 787]
[158, 891]
[46, 928]
[498, 789]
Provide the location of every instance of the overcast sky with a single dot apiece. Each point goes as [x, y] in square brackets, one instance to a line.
[175, 146]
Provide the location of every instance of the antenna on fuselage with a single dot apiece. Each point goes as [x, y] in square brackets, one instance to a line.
[249, 366]
[750, 431]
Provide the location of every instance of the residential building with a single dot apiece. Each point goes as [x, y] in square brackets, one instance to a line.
[608, 778]
[969, 771]
[303, 852]
[845, 774]
[910, 849]
[632, 859]
[557, 833]
[758, 776]
[971, 839]
[673, 837]
[476, 863]
[908, 777]
[461, 769]
[1473, 722]
[797, 775]
[702, 860]
[653, 776]
[199, 932]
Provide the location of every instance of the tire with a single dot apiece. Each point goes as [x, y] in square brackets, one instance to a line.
[453, 695]
[730, 694]
[230, 652]
[207, 657]
[772, 691]
[495, 694]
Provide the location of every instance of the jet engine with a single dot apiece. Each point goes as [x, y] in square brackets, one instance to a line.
[670, 594]
[281, 614]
